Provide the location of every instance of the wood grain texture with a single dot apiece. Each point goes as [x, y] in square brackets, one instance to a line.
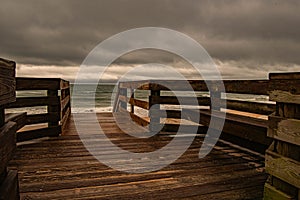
[7, 81]
[252, 129]
[231, 86]
[34, 101]
[284, 76]
[37, 83]
[271, 193]
[41, 118]
[284, 97]
[283, 129]
[19, 118]
[284, 168]
[38, 133]
[7, 143]
[61, 168]
[9, 188]
[2, 116]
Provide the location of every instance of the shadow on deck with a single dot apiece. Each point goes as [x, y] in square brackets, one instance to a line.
[61, 168]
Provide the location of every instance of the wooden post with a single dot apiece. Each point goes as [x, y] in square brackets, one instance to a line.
[2, 116]
[283, 156]
[215, 97]
[54, 109]
[8, 178]
[154, 118]
[123, 92]
[132, 96]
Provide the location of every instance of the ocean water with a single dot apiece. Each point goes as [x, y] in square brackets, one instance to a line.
[104, 97]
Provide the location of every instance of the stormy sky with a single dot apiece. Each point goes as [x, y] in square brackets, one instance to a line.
[246, 39]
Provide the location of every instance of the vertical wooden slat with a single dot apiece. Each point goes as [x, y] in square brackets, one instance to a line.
[132, 96]
[2, 116]
[9, 188]
[215, 101]
[123, 91]
[54, 109]
[153, 109]
[283, 156]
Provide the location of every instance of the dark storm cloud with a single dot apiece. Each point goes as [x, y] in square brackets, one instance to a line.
[63, 32]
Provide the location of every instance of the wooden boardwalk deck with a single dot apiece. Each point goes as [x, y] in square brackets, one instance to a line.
[61, 168]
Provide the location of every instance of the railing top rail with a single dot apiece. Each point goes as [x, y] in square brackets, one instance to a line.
[40, 83]
[259, 87]
[285, 75]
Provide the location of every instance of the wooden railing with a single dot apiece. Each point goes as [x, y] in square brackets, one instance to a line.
[57, 101]
[283, 156]
[241, 115]
[276, 121]
[9, 188]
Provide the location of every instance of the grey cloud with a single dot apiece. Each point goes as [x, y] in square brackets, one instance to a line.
[63, 32]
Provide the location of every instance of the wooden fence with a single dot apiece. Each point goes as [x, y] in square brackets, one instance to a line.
[283, 156]
[239, 126]
[276, 126]
[57, 101]
[8, 178]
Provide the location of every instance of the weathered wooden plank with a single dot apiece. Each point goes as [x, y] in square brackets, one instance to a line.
[176, 114]
[286, 84]
[248, 128]
[246, 106]
[2, 116]
[41, 118]
[37, 83]
[65, 102]
[283, 129]
[252, 107]
[284, 76]
[64, 84]
[271, 193]
[231, 86]
[9, 188]
[117, 100]
[58, 170]
[288, 110]
[154, 120]
[143, 85]
[122, 103]
[287, 150]
[139, 103]
[139, 120]
[132, 97]
[290, 86]
[284, 168]
[134, 102]
[19, 118]
[185, 128]
[38, 133]
[64, 93]
[34, 101]
[283, 186]
[7, 143]
[284, 97]
[7, 81]
[65, 118]
[173, 100]
[54, 108]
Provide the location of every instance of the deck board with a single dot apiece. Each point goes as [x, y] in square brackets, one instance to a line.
[61, 168]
